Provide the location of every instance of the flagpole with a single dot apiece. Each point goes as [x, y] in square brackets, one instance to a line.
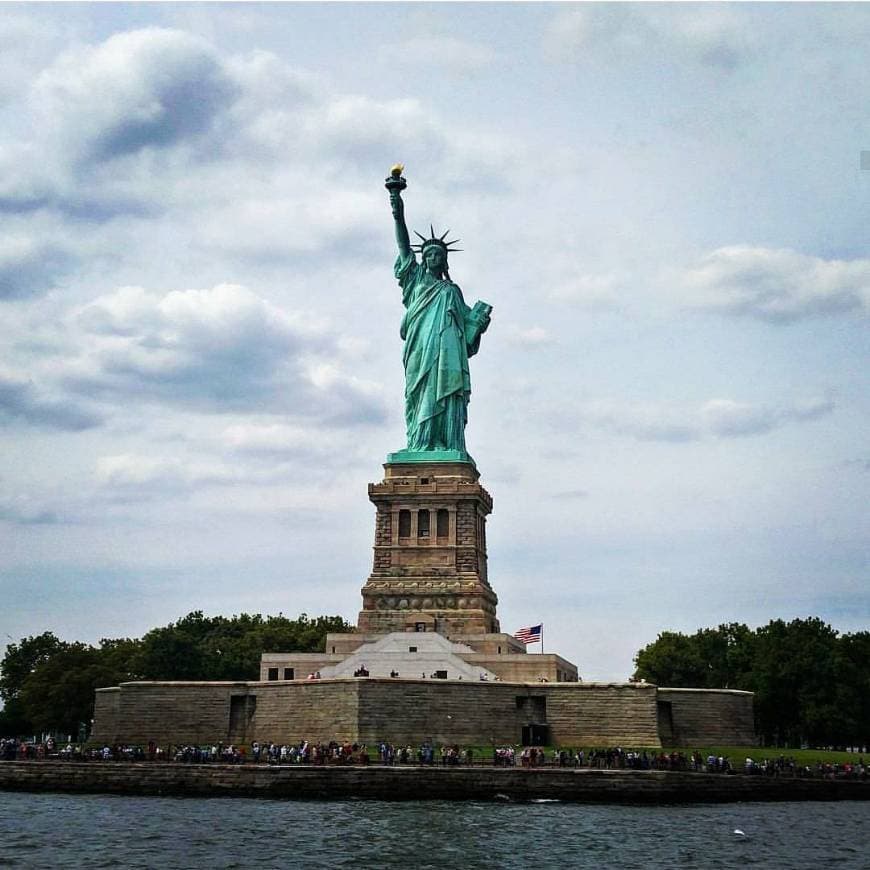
[542, 638]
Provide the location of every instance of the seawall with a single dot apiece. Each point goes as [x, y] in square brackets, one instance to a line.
[417, 783]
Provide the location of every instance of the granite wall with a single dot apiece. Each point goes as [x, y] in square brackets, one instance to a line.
[603, 714]
[708, 717]
[412, 711]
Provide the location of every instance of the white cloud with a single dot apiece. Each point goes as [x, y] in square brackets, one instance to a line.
[269, 86]
[284, 440]
[531, 336]
[101, 125]
[268, 438]
[25, 44]
[713, 35]
[645, 421]
[716, 418]
[248, 464]
[304, 221]
[777, 284]
[571, 494]
[242, 154]
[221, 349]
[26, 511]
[454, 56]
[168, 474]
[21, 401]
[588, 290]
[139, 89]
[725, 418]
[29, 265]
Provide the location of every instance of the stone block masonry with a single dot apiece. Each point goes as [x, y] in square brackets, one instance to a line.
[467, 525]
[383, 539]
[711, 717]
[411, 711]
[603, 714]
[206, 713]
[429, 569]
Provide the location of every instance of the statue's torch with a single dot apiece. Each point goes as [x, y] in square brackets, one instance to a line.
[395, 183]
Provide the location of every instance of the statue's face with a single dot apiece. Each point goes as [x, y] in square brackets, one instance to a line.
[435, 258]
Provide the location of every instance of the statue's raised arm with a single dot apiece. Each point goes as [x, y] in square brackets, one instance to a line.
[395, 184]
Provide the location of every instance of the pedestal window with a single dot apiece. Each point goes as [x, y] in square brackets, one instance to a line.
[442, 523]
[423, 524]
[404, 524]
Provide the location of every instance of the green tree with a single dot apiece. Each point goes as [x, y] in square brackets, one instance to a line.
[854, 680]
[13, 721]
[174, 652]
[795, 677]
[811, 686]
[671, 660]
[197, 647]
[48, 684]
[22, 658]
[712, 658]
[59, 694]
[19, 662]
[727, 653]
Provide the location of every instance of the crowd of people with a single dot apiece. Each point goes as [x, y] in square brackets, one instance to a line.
[217, 752]
[427, 753]
[306, 752]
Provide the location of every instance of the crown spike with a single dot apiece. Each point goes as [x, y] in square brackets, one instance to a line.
[419, 235]
[445, 236]
[431, 231]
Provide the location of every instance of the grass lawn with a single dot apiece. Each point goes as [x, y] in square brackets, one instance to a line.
[736, 754]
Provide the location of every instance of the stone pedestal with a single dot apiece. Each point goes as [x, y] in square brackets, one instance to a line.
[429, 570]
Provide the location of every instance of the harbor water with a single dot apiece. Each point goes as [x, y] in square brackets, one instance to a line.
[96, 831]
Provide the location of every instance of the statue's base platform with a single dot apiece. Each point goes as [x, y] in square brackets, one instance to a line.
[402, 456]
[429, 571]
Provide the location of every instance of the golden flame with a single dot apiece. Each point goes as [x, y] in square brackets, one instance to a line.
[396, 171]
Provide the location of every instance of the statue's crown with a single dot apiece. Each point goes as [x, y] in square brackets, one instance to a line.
[435, 240]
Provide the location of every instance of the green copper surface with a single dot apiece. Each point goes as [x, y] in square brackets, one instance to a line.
[440, 333]
[430, 456]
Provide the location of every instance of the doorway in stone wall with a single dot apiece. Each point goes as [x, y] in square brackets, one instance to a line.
[536, 734]
[242, 709]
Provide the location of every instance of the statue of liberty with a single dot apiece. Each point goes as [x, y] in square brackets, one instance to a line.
[440, 333]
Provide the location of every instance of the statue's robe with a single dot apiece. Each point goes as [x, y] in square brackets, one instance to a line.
[439, 337]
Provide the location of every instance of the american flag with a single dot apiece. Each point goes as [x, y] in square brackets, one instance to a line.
[532, 634]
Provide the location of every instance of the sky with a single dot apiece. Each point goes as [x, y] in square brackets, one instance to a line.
[200, 361]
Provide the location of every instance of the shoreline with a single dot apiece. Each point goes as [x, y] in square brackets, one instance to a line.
[399, 783]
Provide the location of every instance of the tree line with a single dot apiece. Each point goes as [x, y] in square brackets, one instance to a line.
[811, 684]
[47, 684]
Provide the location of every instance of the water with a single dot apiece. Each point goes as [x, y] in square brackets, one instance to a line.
[96, 831]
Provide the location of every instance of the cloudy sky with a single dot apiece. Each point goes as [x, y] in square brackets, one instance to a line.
[200, 366]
